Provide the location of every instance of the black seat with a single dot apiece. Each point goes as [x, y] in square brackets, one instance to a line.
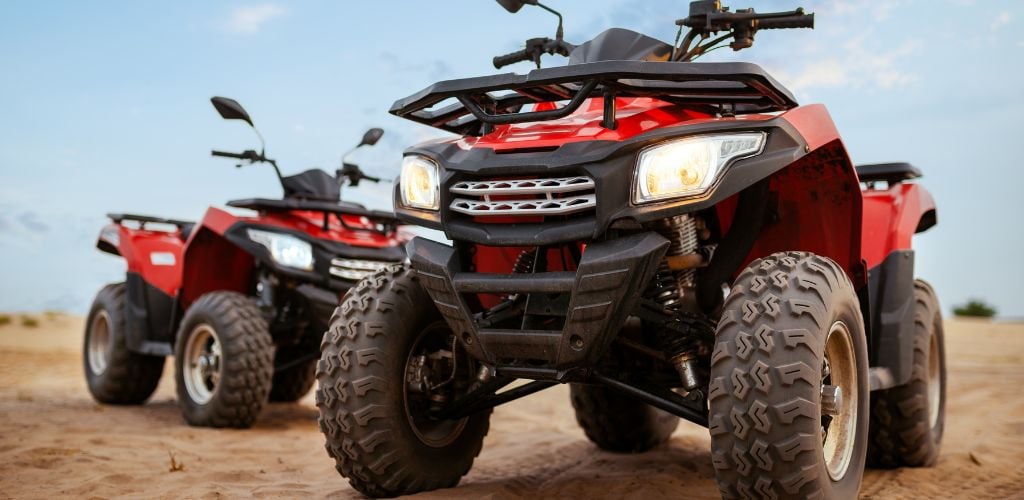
[893, 173]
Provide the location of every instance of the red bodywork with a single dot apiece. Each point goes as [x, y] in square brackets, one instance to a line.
[819, 195]
[207, 261]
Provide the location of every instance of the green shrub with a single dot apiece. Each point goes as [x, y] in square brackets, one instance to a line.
[29, 321]
[975, 308]
[5, 319]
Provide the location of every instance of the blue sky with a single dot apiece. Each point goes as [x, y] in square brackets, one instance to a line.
[104, 107]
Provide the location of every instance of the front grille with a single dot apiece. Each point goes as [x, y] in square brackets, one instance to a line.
[356, 269]
[556, 196]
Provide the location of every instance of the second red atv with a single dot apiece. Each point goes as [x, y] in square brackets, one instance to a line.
[672, 239]
[240, 301]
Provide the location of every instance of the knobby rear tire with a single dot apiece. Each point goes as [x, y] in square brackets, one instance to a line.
[129, 378]
[902, 431]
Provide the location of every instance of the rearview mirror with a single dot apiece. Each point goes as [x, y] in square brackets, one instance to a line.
[513, 6]
[229, 109]
[371, 137]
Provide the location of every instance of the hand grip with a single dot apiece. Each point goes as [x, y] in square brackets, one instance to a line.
[225, 154]
[512, 58]
[781, 23]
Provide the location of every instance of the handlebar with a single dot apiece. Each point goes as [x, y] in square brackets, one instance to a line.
[225, 154]
[512, 58]
[535, 47]
[354, 174]
[788, 22]
[244, 155]
[710, 17]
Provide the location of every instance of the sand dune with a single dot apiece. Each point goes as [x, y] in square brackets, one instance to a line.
[55, 441]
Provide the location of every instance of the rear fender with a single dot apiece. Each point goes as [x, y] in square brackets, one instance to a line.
[153, 255]
[891, 218]
[152, 281]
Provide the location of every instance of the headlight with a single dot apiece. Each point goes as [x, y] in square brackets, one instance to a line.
[285, 249]
[688, 167]
[419, 183]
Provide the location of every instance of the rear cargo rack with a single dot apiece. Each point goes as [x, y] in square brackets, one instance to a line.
[146, 219]
[724, 88]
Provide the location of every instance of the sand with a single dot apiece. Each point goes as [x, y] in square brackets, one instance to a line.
[55, 441]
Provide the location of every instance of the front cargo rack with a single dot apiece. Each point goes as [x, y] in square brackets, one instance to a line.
[482, 102]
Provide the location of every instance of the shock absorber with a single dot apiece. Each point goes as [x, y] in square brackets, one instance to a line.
[676, 292]
[681, 232]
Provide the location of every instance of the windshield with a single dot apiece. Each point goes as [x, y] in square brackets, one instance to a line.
[618, 44]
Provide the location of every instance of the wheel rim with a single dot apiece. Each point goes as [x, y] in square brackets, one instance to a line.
[934, 381]
[98, 346]
[435, 343]
[202, 364]
[839, 426]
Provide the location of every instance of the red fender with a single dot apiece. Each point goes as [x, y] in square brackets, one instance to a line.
[891, 217]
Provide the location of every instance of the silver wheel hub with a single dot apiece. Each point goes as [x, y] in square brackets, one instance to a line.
[201, 368]
[838, 400]
[934, 381]
[97, 349]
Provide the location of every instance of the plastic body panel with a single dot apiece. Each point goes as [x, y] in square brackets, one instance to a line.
[891, 218]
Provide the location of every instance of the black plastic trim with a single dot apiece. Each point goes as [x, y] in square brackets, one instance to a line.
[604, 291]
[891, 298]
[148, 317]
[552, 282]
[323, 252]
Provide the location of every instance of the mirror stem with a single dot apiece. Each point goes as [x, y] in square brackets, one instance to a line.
[345, 156]
[558, 33]
[263, 144]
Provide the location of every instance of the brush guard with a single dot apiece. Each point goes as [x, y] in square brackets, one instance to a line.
[604, 291]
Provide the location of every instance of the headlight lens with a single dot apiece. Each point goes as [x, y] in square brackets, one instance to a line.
[688, 167]
[285, 249]
[419, 183]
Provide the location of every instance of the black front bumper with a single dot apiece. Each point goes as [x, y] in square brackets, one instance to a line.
[603, 292]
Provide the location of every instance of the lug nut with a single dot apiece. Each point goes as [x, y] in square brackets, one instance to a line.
[831, 400]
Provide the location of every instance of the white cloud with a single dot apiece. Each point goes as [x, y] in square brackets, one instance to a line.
[855, 66]
[878, 9]
[249, 19]
[1002, 19]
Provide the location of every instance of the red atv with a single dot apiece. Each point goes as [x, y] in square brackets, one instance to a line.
[670, 238]
[241, 302]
